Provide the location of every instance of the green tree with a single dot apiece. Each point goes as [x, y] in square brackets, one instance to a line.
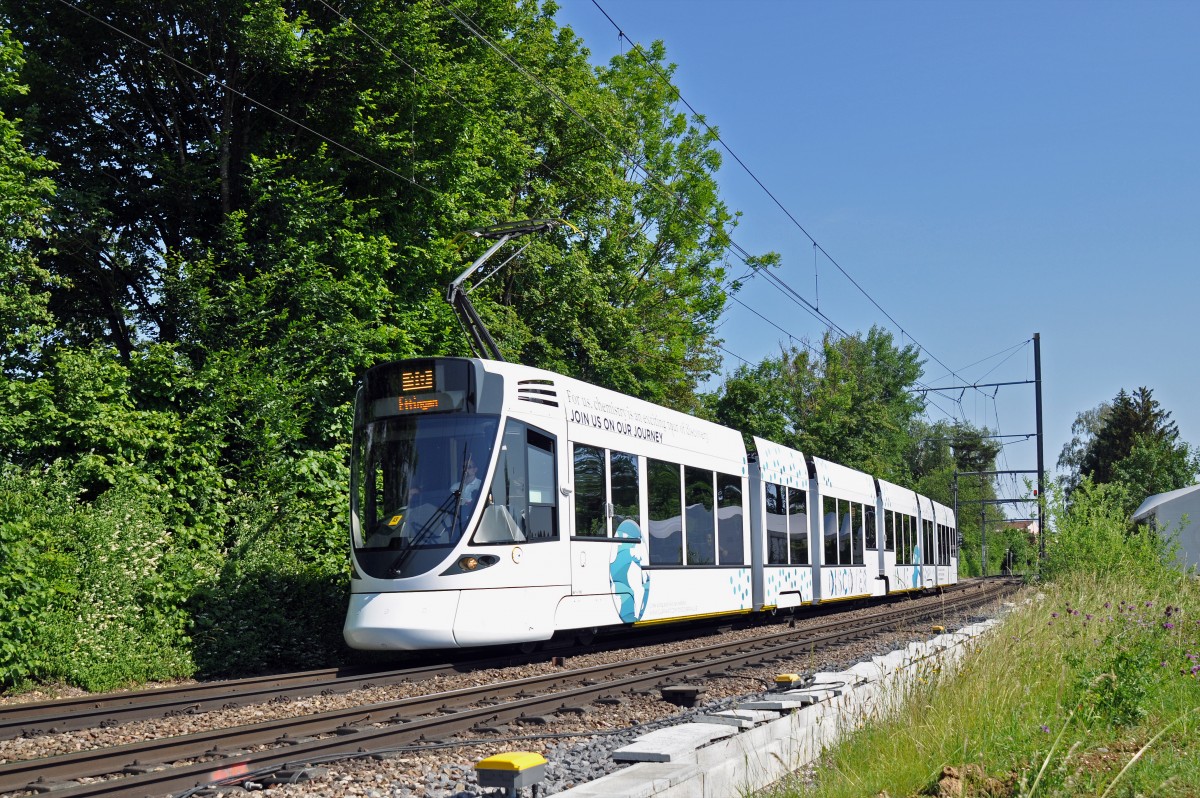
[1128, 418]
[258, 200]
[849, 401]
[25, 192]
[435, 132]
[1083, 431]
[1135, 445]
[945, 450]
[1155, 466]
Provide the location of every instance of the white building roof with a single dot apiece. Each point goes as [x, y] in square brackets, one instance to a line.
[1146, 508]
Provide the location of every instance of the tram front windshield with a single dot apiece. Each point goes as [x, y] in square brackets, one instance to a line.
[418, 480]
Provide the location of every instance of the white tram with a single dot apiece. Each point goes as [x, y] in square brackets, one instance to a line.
[493, 503]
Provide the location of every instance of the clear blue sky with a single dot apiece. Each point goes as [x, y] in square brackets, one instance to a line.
[985, 170]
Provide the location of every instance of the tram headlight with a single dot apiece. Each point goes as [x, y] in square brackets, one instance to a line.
[468, 563]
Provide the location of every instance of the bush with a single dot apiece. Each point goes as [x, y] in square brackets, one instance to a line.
[1088, 676]
[277, 604]
[33, 573]
[1092, 535]
[91, 594]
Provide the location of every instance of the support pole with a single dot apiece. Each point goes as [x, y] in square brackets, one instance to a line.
[983, 526]
[956, 546]
[1041, 440]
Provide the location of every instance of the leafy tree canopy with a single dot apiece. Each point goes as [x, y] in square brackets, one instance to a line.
[1131, 442]
[26, 190]
[252, 202]
[236, 170]
[847, 401]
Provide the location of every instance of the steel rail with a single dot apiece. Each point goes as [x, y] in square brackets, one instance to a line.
[108, 710]
[445, 713]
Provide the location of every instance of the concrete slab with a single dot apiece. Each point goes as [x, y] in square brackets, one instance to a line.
[672, 744]
[644, 780]
[815, 696]
[893, 660]
[918, 650]
[738, 718]
[783, 705]
[836, 679]
[868, 671]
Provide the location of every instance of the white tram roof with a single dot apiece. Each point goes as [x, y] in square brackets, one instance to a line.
[607, 418]
[926, 505]
[901, 500]
[844, 483]
[943, 514]
[781, 465]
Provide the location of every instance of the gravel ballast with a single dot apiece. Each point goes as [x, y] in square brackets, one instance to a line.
[577, 747]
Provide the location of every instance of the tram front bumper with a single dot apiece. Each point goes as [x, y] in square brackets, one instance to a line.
[401, 621]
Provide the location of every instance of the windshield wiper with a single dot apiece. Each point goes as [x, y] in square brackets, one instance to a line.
[426, 531]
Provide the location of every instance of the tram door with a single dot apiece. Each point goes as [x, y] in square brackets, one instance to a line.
[603, 481]
[607, 541]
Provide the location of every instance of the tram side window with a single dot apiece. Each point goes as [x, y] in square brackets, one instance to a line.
[797, 511]
[831, 531]
[914, 545]
[589, 491]
[872, 536]
[856, 533]
[626, 497]
[904, 554]
[927, 542]
[520, 504]
[664, 486]
[910, 534]
[542, 520]
[698, 527]
[914, 540]
[909, 551]
[845, 537]
[777, 525]
[889, 530]
[730, 530]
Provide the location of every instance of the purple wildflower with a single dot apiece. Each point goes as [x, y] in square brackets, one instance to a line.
[1168, 625]
[1045, 729]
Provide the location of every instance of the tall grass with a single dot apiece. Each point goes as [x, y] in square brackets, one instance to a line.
[1089, 687]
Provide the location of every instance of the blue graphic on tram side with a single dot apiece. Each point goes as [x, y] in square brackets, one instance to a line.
[629, 582]
[917, 566]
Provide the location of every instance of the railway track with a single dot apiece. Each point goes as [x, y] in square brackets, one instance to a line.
[233, 754]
